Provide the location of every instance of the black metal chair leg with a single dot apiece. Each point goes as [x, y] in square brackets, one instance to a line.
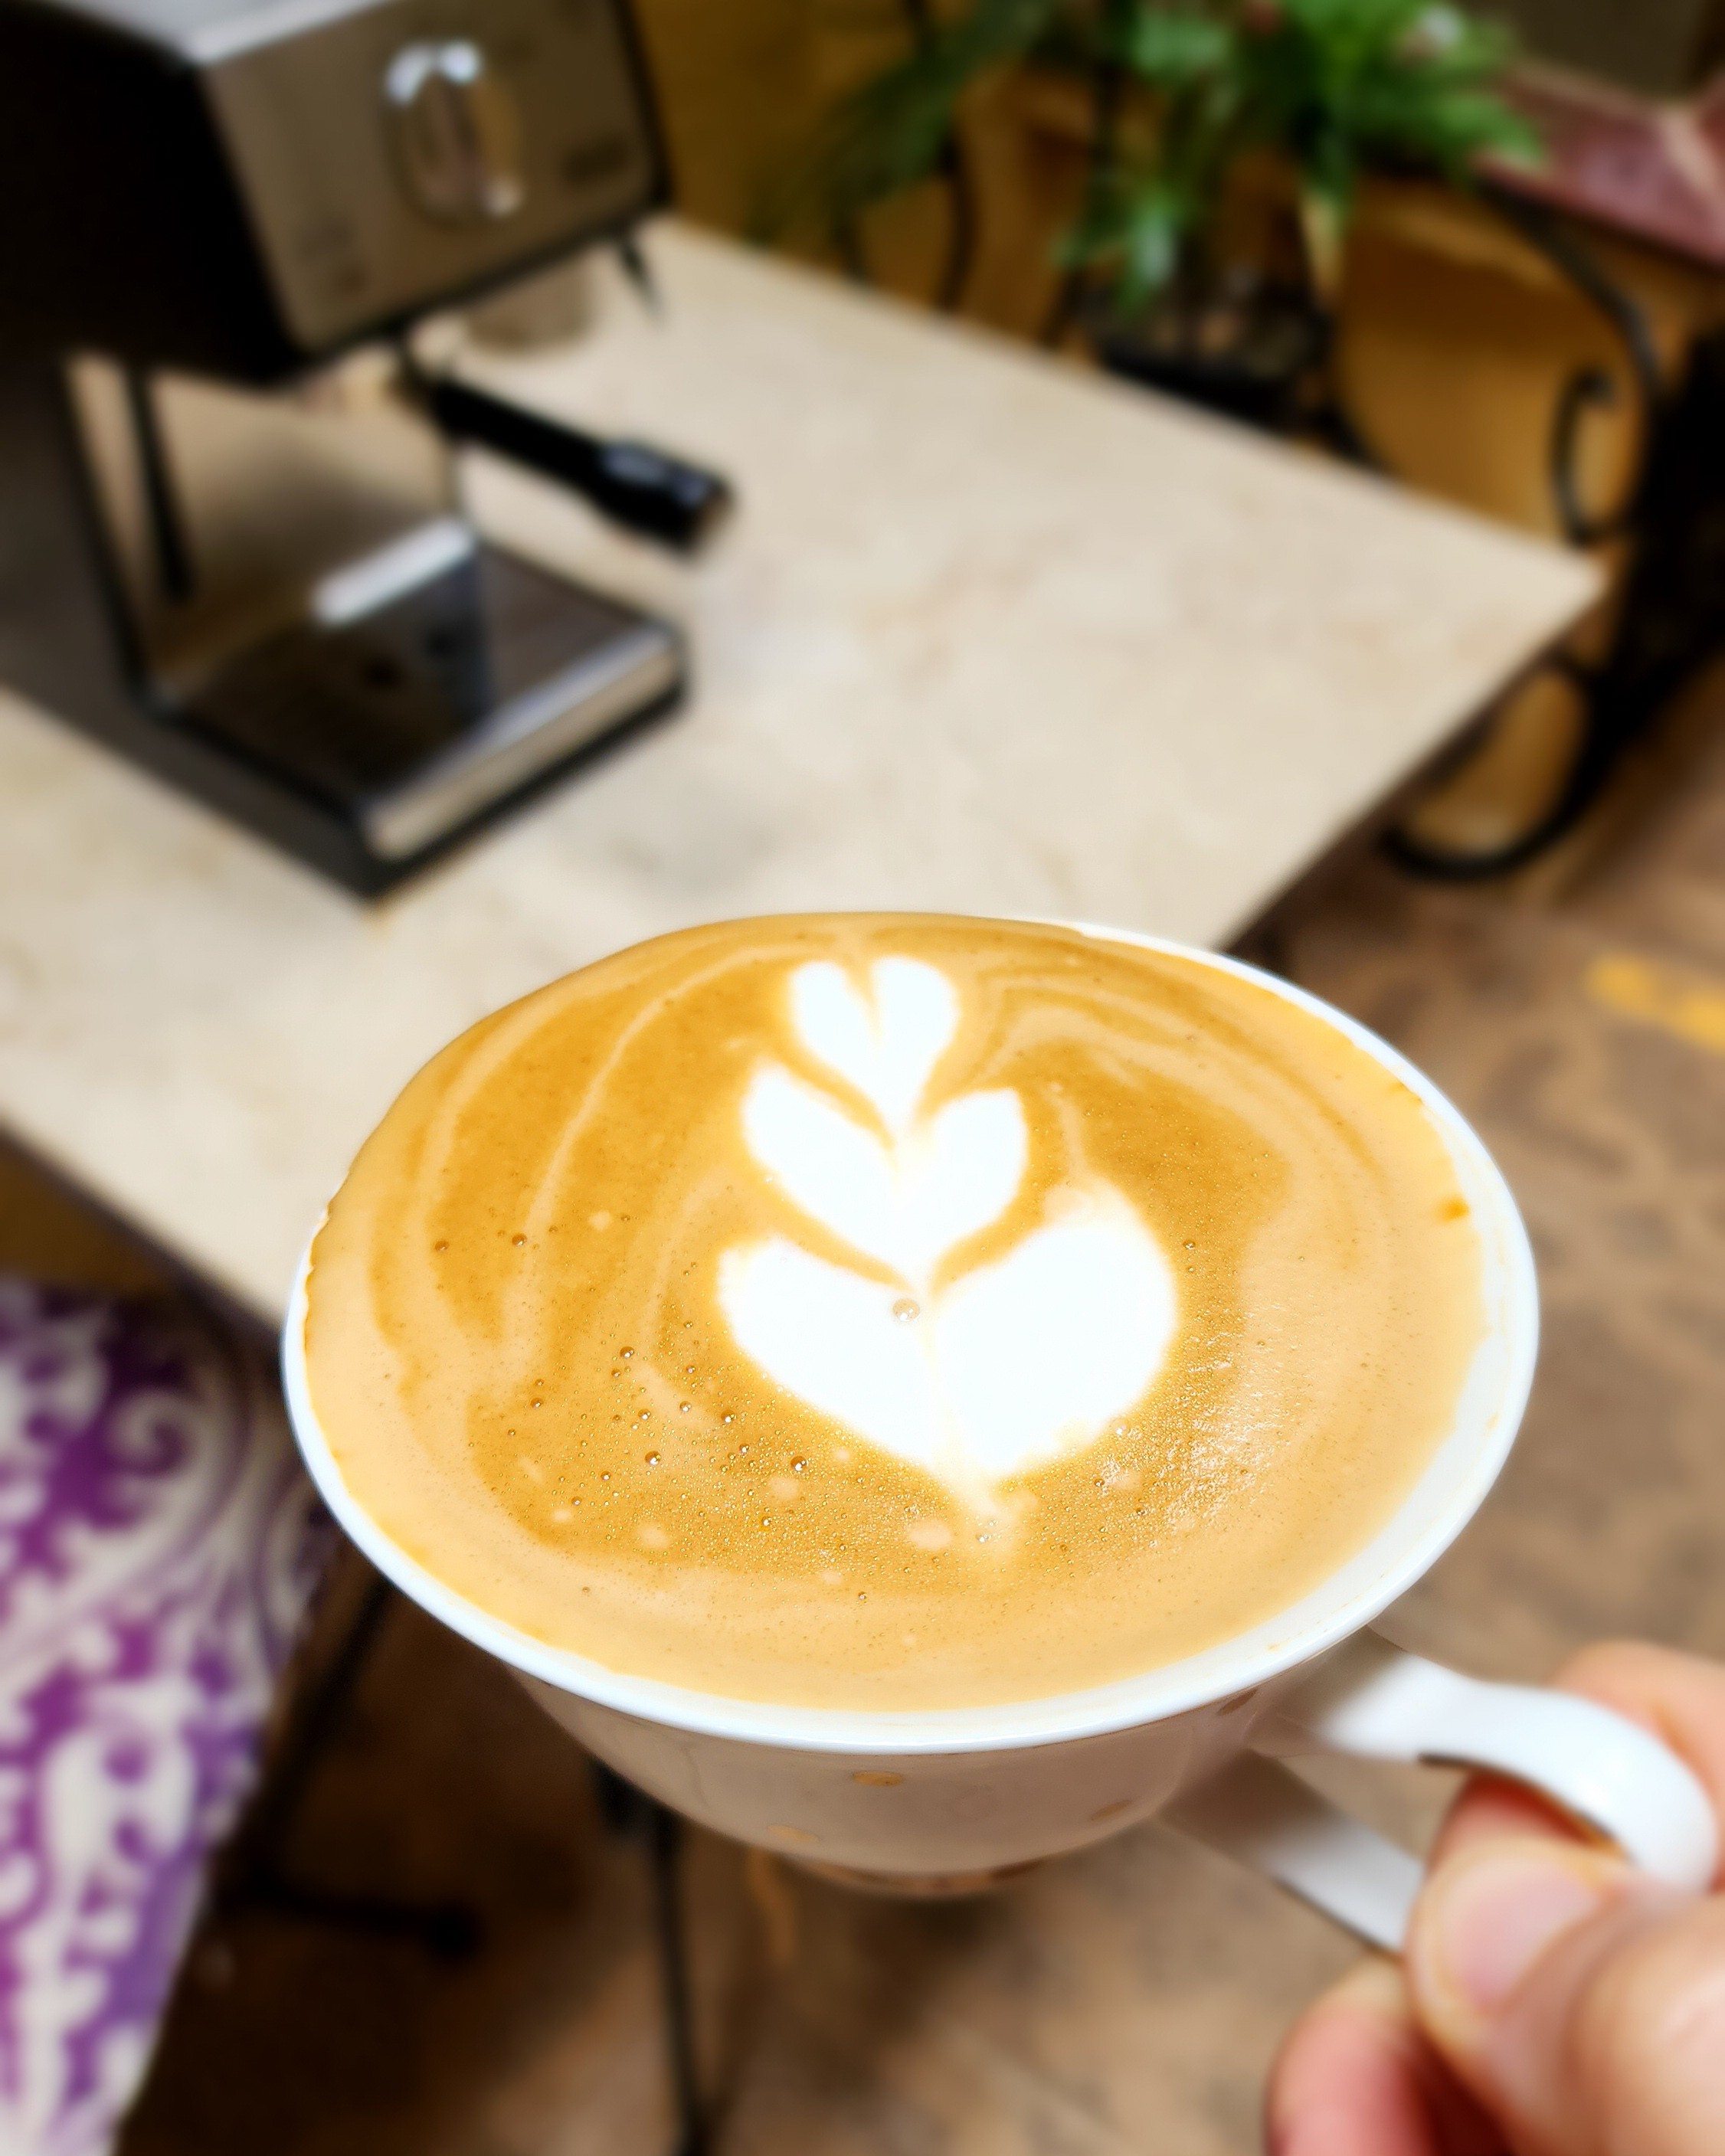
[666, 1850]
[255, 1873]
[629, 1811]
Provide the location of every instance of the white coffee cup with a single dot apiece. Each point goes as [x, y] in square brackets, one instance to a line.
[952, 1799]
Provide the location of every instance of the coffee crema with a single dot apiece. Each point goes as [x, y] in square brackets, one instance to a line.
[892, 1312]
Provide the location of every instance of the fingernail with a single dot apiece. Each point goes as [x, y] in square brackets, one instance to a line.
[1375, 1985]
[1489, 1917]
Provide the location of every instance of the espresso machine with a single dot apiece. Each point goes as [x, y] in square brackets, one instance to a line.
[232, 545]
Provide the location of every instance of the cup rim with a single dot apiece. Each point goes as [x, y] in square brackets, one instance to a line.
[1452, 1487]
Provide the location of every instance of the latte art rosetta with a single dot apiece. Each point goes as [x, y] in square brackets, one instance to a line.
[893, 1310]
[1008, 1367]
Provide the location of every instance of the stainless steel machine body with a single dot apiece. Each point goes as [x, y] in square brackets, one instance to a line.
[231, 542]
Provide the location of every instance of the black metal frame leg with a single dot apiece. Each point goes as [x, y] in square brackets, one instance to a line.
[631, 1812]
[254, 1873]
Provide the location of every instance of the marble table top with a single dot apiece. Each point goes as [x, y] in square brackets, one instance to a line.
[988, 634]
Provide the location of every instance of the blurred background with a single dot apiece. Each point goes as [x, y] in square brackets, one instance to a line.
[1329, 395]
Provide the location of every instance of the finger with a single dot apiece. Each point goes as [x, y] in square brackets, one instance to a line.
[1356, 2078]
[1490, 1809]
[1582, 2004]
[1679, 1698]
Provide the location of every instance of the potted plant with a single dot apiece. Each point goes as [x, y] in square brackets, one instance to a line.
[1226, 142]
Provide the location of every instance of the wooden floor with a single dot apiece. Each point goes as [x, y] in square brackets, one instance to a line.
[1128, 1999]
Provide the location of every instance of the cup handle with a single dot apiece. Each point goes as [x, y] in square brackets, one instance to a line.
[1372, 1701]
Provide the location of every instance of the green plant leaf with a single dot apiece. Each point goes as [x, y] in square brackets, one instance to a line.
[1137, 232]
[1169, 48]
[1339, 84]
[887, 134]
[1332, 85]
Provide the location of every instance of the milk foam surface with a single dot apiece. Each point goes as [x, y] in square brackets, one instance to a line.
[892, 1310]
[978, 1377]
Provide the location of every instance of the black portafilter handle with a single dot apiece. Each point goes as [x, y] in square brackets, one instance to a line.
[679, 505]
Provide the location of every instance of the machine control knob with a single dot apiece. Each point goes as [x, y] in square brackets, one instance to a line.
[458, 131]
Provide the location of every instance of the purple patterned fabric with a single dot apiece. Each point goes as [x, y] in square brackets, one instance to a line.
[158, 1547]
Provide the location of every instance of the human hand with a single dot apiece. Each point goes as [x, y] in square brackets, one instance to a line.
[1550, 2000]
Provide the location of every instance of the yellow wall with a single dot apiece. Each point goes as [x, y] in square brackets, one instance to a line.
[741, 83]
[1457, 337]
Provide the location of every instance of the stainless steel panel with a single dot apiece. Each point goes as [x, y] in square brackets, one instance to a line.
[307, 124]
[524, 738]
[273, 495]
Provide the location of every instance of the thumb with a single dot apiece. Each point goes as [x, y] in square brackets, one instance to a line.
[1582, 2003]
